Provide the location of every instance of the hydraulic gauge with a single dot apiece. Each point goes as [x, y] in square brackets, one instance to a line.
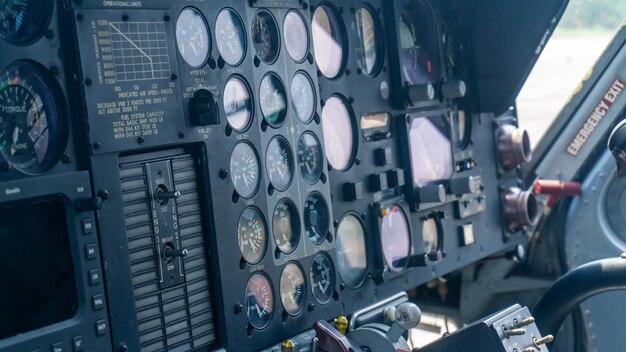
[286, 226]
[338, 133]
[369, 46]
[259, 301]
[296, 36]
[31, 117]
[322, 278]
[279, 163]
[395, 237]
[351, 253]
[265, 36]
[252, 235]
[303, 98]
[292, 289]
[316, 218]
[273, 100]
[192, 37]
[310, 158]
[230, 37]
[431, 237]
[23, 21]
[237, 104]
[244, 170]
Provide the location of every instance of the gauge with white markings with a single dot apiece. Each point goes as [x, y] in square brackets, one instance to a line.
[296, 36]
[279, 163]
[273, 100]
[244, 170]
[265, 36]
[230, 36]
[310, 158]
[316, 218]
[322, 278]
[192, 37]
[369, 44]
[237, 104]
[252, 235]
[430, 236]
[24, 21]
[303, 97]
[259, 301]
[286, 226]
[292, 289]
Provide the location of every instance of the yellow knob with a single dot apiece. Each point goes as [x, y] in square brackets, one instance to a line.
[342, 324]
[288, 346]
[384, 212]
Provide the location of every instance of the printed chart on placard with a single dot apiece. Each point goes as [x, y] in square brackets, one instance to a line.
[140, 51]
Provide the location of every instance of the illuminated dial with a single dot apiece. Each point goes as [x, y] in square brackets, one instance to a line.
[292, 289]
[395, 237]
[279, 163]
[237, 104]
[259, 301]
[338, 133]
[230, 37]
[310, 158]
[296, 36]
[244, 170]
[23, 21]
[322, 278]
[31, 129]
[192, 37]
[316, 218]
[286, 226]
[430, 237]
[351, 254]
[419, 48]
[252, 235]
[369, 45]
[328, 41]
[265, 36]
[273, 100]
[302, 97]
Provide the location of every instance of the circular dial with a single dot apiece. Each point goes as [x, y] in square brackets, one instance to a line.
[252, 235]
[395, 237]
[259, 301]
[286, 226]
[430, 236]
[463, 125]
[369, 45]
[351, 255]
[316, 218]
[419, 48]
[23, 21]
[322, 278]
[296, 36]
[327, 41]
[237, 104]
[31, 129]
[265, 36]
[310, 158]
[230, 36]
[338, 133]
[244, 170]
[292, 289]
[192, 37]
[273, 100]
[302, 97]
[279, 163]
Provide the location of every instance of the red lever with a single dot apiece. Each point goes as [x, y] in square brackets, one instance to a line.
[556, 189]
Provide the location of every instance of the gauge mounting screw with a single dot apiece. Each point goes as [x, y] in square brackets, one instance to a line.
[104, 194]
[223, 174]
[66, 159]
[238, 308]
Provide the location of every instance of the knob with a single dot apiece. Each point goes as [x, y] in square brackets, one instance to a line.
[408, 315]
[204, 108]
[520, 209]
[432, 194]
[453, 89]
[420, 92]
[465, 185]
[513, 146]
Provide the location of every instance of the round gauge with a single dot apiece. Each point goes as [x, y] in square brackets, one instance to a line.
[259, 301]
[369, 46]
[273, 100]
[395, 237]
[316, 218]
[351, 255]
[302, 97]
[310, 158]
[328, 41]
[292, 289]
[237, 104]
[296, 36]
[430, 236]
[244, 170]
[265, 36]
[322, 278]
[419, 47]
[463, 125]
[230, 37]
[286, 226]
[23, 21]
[252, 235]
[31, 113]
[279, 163]
[192, 37]
[338, 133]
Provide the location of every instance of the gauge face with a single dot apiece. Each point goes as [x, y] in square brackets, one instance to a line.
[273, 100]
[237, 104]
[310, 158]
[430, 236]
[419, 47]
[31, 129]
[279, 163]
[316, 218]
[338, 133]
[192, 37]
[296, 36]
[230, 37]
[463, 124]
[265, 36]
[327, 41]
[244, 170]
[23, 21]
[259, 301]
[322, 278]
[351, 255]
[286, 226]
[369, 45]
[292, 289]
[302, 97]
[430, 150]
[395, 237]
[252, 235]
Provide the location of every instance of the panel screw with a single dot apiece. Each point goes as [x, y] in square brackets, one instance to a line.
[122, 347]
[238, 308]
[181, 135]
[223, 174]
[125, 18]
[66, 159]
[311, 306]
[104, 194]
[79, 17]
[96, 145]
[140, 140]
[88, 82]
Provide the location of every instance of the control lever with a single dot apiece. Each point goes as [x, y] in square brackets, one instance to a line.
[329, 339]
[407, 316]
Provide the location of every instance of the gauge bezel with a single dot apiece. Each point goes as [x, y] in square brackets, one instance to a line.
[260, 174]
[297, 227]
[279, 39]
[208, 31]
[380, 43]
[304, 292]
[383, 260]
[308, 36]
[251, 98]
[328, 214]
[334, 272]
[354, 131]
[322, 157]
[335, 18]
[244, 36]
[265, 228]
[291, 160]
[37, 34]
[283, 113]
[292, 105]
[269, 281]
[437, 254]
[364, 275]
